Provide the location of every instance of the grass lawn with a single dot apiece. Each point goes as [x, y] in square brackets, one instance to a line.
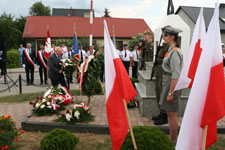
[31, 141]
[28, 97]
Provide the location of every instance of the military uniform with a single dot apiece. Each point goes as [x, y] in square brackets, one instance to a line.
[147, 54]
[172, 65]
[159, 71]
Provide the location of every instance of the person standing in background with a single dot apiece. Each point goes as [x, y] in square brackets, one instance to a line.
[42, 64]
[223, 48]
[126, 54]
[134, 61]
[29, 57]
[91, 51]
[20, 50]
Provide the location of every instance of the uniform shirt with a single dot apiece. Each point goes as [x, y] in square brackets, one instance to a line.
[135, 54]
[126, 54]
[64, 49]
[119, 52]
[66, 55]
[148, 53]
[88, 53]
[84, 54]
[173, 62]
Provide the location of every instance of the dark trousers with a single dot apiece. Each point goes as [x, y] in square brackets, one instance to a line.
[61, 80]
[126, 65]
[135, 69]
[41, 70]
[29, 74]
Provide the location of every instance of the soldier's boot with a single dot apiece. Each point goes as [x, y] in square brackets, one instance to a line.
[162, 120]
[157, 117]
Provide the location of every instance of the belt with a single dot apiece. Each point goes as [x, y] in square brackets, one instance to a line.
[167, 73]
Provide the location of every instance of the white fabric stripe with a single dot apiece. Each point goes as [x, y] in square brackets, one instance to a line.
[28, 57]
[109, 53]
[193, 113]
[42, 60]
[199, 33]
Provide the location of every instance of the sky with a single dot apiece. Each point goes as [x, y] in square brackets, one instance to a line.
[153, 11]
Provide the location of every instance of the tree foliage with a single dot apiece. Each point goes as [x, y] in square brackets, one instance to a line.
[12, 29]
[39, 9]
[107, 13]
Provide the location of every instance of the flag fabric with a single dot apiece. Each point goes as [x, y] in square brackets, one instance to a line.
[48, 48]
[206, 102]
[188, 72]
[118, 86]
[75, 50]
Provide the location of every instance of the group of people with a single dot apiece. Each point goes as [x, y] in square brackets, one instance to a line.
[30, 59]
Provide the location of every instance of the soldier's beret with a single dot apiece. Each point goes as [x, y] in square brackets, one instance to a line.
[80, 45]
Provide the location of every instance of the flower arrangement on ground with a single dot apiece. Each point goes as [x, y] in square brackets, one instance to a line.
[8, 132]
[53, 101]
[78, 113]
[69, 66]
[132, 104]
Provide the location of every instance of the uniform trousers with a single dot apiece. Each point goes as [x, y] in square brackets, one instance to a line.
[135, 69]
[126, 65]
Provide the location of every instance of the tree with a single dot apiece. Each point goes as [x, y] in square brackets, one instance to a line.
[107, 13]
[39, 9]
[10, 31]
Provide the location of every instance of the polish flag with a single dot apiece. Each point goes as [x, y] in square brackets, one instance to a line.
[48, 48]
[118, 86]
[206, 104]
[188, 72]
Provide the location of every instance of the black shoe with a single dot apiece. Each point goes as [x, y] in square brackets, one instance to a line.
[161, 121]
[28, 84]
[32, 84]
[41, 83]
[156, 117]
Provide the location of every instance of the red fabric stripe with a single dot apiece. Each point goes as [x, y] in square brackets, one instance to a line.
[214, 108]
[126, 85]
[28, 58]
[42, 61]
[194, 62]
[116, 114]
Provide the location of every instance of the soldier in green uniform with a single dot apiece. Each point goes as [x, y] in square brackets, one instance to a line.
[147, 52]
[172, 65]
[162, 117]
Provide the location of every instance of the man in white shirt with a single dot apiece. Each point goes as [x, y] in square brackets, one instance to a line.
[82, 54]
[64, 48]
[134, 61]
[67, 54]
[125, 56]
[91, 50]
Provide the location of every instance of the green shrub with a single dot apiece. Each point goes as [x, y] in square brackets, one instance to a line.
[13, 59]
[59, 139]
[134, 80]
[98, 88]
[148, 138]
[8, 131]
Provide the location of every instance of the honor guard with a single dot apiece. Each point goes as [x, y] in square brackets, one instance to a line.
[125, 55]
[134, 61]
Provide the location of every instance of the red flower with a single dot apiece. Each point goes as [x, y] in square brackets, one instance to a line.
[6, 147]
[62, 115]
[67, 111]
[22, 131]
[17, 140]
[2, 148]
[0, 131]
[31, 102]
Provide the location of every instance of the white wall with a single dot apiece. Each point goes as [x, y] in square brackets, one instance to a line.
[176, 22]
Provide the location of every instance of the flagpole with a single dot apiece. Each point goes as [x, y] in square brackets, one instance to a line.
[204, 137]
[74, 29]
[130, 126]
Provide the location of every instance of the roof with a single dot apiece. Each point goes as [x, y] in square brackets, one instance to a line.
[193, 13]
[62, 27]
[69, 12]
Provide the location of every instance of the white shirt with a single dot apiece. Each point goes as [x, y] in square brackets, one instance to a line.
[66, 55]
[119, 52]
[128, 55]
[64, 49]
[88, 53]
[84, 54]
[134, 54]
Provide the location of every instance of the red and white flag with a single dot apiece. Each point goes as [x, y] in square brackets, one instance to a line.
[189, 70]
[206, 104]
[48, 48]
[118, 86]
